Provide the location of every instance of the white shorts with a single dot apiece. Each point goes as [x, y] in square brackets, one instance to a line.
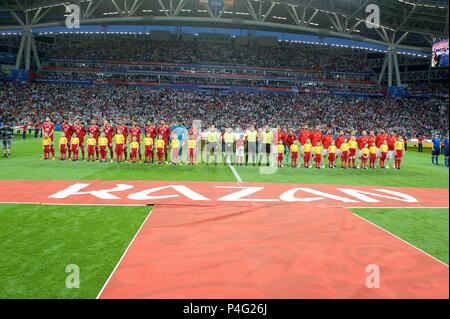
[378, 152]
[390, 155]
[325, 153]
[359, 153]
[338, 152]
[240, 152]
[302, 150]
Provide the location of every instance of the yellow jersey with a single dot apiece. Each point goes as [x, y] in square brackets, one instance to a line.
[332, 149]
[251, 136]
[160, 143]
[134, 144]
[318, 150]
[148, 141]
[91, 141]
[228, 137]
[212, 137]
[46, 141]
[75, 141]
[192, 143]
[398, 146]
[307, 148]
[62, 141]
[365, 151]
[295, 148]
[175, 143]
[373, 150]
[352, 144]
[280, 149]
[384, 148]
[344, 147]
[267, 137]
[103, 141]
[119, 138]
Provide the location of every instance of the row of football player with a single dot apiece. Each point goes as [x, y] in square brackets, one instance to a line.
[348, 151]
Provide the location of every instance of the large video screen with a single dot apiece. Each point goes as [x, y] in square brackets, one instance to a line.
[439, 58]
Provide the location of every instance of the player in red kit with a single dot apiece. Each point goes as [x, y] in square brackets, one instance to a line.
[362, 140]
[135, 131]
[150, 131]
[164, 131]
[302, 137]
[326, 142]
[67, 129]
[108, 130]
[48, 128]
[124, 130]
[391, 139]
[288, 141]
[80, 131]
[95, 131]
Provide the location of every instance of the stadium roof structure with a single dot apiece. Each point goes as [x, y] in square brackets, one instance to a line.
[407, 24]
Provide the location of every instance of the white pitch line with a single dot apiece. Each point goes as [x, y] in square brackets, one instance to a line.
[379, 227]
[123, 255]
[235, 173]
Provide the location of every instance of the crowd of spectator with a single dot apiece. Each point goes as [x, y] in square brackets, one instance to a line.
[117, 48]
[28, 102]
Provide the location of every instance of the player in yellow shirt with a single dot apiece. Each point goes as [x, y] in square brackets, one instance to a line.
[46, 142]
[91, 143]
[134, 146]
[74, 144]
[266, 144]
[384, 148]
[63, 146]
[175, 152]
[307, 149]
[399, 147]
[103, 144]
[280, 153]
[160, 144]
[373, 150]
[148, 145]
[364, 156]
[318, 150]
[192, 145]
[332, 149]
[119, 139]
[352, 147]
[228, 138]
[344, 154]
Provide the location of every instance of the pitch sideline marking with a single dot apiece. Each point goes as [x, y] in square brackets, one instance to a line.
[235, 173]
[408, 243]
[123, 255]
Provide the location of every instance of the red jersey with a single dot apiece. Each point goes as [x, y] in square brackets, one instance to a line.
[94, 130]
[379, 139]
[48, 128]
[37, 125]
[164, 131]
[136, 132]
[315, 137]
[67, 129]
[361, 141]
[124, 129]
[150, 130]
[390, 142]
[326, 141]
[420, 139]
[303, 136]
[371, 139]
[339, 141]
[290, 139]
[109, 132]
[80, 131]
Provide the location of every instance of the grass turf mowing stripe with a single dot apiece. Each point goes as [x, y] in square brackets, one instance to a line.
[37, 243]
[426, 229]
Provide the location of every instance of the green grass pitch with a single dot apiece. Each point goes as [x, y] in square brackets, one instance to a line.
[37, 242]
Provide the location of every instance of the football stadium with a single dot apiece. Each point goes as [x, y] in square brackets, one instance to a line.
[224, 149]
